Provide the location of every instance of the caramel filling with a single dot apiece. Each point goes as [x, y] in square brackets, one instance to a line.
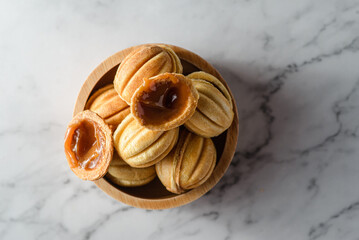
[162, 101]
[84, 144]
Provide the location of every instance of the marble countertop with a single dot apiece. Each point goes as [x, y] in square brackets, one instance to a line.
[292, 66]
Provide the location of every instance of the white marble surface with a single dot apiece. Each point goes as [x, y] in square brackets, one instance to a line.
[292, 66]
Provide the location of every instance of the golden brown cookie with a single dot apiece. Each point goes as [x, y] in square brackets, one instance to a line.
[141, 147]
[124, 175]
[214, 113]
[189, 164]
[164, 102]
[88, 145]
[144, 62]
[177, 67]
[106, 103]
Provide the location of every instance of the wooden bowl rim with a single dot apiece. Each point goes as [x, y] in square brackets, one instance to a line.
[222, 164]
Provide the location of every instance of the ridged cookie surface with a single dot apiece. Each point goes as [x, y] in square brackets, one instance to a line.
[142, 147]
[189, 164]
[108, 104]
[214, 112]
[144, 62]
[123, 174]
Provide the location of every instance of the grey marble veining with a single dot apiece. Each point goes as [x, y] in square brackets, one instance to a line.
[291, 65]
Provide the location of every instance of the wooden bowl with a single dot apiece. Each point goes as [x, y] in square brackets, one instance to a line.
[154, 195]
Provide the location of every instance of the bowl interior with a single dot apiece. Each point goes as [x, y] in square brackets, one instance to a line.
[155, 189]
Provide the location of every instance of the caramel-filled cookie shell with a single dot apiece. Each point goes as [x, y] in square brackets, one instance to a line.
[88, 145]
[164, 102]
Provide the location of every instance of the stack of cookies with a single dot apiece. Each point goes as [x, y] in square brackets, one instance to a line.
[152, 121]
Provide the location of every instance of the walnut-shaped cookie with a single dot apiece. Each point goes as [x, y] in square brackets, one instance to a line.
[144, 62]
[214, 112]
[164, 102]
[88, 145]
[175, 59]
[189, 164]
[124, 175]
[141, 147]
[106, 103]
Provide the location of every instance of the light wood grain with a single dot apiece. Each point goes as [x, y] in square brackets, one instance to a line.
[151, 199]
